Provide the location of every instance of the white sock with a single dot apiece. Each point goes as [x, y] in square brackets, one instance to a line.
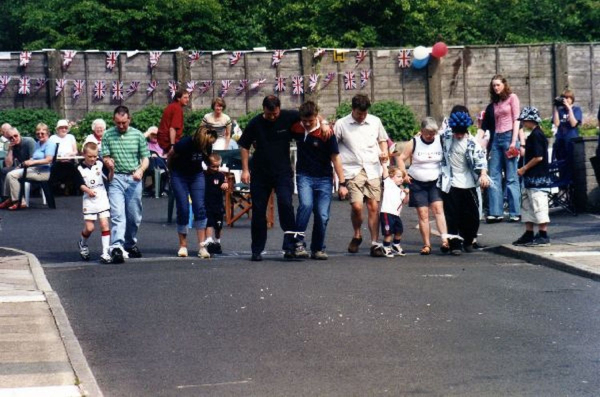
[105, 244]
[375, 243]
[208, 240]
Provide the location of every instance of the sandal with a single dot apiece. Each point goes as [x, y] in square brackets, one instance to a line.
[426, 250]
[445, 248]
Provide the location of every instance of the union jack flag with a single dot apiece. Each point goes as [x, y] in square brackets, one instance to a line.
[257, 84]
[360, 56]
[328, 78]
[133, 87]
[297, 85]
[193, 56]
[68, 56]
[319, 53]
[4, 79]
[279, 84]
[24, 58]
[349, 81]
[242, 87]
[191, 86]
[235, 57]
[225, 84]
[99, 89]
[60, 86]
[40, 83]
[78, 88]
[364, 77]
[24, 85]
[111, 59]
[172, 88]
[117, 90]
[151, 87]
[404, 58]
[277, 56]
[154, 56]
[313, 80]
[205, 86]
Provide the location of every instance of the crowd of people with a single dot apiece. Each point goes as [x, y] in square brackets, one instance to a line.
[450, 171]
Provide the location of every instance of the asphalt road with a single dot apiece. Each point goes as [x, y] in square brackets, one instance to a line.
[476, 325]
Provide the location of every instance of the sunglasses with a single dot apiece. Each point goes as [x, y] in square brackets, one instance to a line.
[13, 137]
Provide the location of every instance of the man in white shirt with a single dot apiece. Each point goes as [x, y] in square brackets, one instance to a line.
[362, 142]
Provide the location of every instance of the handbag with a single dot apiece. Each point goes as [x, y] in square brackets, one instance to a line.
[511, 153]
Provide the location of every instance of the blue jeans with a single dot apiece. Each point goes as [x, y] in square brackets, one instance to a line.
[314, 194]
[499, 163]
[125, 196]
[192, 186]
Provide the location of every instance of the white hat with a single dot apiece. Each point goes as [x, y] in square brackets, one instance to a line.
[151, 131]
[62, 123]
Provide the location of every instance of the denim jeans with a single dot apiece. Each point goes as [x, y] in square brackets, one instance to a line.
[499, 163]
[314, 194]
[125, 196]
[260, 189]
[186, 187]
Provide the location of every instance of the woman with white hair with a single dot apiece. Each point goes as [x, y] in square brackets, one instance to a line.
[98, 128]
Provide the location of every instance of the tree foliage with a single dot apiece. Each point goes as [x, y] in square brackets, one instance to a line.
[279, 24]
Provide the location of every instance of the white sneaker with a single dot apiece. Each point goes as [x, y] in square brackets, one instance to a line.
[84, 251]
[387, 252]
[397, 250]
[203, 253]
[105, 259]
[183, 252]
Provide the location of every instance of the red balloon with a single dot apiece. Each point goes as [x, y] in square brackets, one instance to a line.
[439, 49]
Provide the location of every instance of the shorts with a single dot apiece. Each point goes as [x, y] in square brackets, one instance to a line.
[534, 206]
[360, 187]
[390, 224]
[214, 219]
[422, 194]
[98, 215]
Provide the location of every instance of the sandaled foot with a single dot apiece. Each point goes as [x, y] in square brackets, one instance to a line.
[426, 250]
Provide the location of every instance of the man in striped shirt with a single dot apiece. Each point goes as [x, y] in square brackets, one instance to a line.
[125, 152]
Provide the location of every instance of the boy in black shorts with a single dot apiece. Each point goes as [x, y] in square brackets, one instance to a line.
[215, 186]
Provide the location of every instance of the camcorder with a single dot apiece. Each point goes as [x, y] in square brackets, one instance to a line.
[559, 101]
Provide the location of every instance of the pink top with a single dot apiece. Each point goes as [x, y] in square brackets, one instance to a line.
[506, 112]
[154, 147]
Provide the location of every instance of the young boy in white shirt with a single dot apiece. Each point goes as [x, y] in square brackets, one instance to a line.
[95, 201]
[394, 197]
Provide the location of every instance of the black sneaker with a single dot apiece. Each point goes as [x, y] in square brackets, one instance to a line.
[494, 219]
[539, 241]
[288, 254]
[134, 252]
[478, 247]
[117, 256]
[256, 257]
[217, 248]
[525, 239]
[210, 247]
[377, 251]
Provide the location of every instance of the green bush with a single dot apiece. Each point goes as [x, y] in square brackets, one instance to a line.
[398, 120]
[147, 117]
[84, 126]
[192, 120]
[25, 120]
[245, 119]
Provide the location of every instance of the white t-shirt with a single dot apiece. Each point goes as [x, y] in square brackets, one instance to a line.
[65, 143]
[462, 177]
[392, 197]
[359, 145]
[426, 160]
[94, 179]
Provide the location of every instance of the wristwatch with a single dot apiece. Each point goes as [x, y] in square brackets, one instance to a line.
[343, 184]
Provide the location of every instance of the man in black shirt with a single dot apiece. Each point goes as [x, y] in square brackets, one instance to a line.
[271, 169]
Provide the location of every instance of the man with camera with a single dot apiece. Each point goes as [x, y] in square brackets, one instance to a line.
[567, 118]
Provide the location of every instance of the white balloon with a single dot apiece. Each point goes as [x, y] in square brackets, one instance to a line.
[420, 52]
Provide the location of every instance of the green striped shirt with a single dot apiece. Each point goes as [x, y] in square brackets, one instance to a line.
[126, 149]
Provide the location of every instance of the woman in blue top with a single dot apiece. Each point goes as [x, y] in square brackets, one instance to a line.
[38, 168]
[187, 180]
[567, 118]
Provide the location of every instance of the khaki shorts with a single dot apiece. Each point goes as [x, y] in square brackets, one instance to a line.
[534, 206]
[360, 187]
[93, 217]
